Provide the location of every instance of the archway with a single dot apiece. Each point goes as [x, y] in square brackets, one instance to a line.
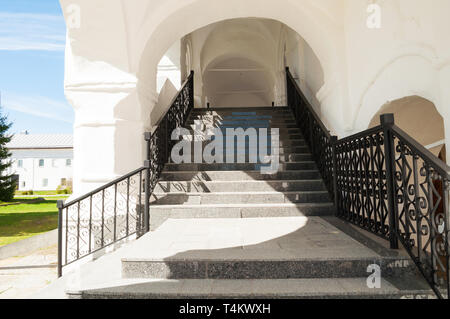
[241, 63]
[306, 19]
[419, 118]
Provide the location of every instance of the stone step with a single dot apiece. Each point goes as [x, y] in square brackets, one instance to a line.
[247, 123]
[309, 165]
[242, 186]
[281, 150]
[289, 129]
[204, 140]
[238, 176]
[254, 268]
[281, 127]
[292, 257]
[284, 158]
[259, 248]
[160, 213]
[197, 198]
[242, 117]
[326, 288]
[242, 111]
[206, 136]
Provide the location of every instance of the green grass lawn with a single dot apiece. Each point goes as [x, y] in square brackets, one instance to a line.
[27, 219]
[39, 193]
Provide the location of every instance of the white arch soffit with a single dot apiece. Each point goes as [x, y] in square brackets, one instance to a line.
[164, 27]
[230, 55]
[415, 79]
[271, 79]
[213, 48]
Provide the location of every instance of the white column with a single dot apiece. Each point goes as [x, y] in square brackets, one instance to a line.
[108, 135]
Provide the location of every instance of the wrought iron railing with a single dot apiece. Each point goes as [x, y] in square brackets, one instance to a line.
[385, 182]
[316, 135]
[120, 209]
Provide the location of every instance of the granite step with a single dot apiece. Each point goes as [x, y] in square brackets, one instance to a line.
[281, 150]
[205, 140]
[258, 248]
[243, 111]
[243, 117]
[206, 136]
[238, 175]
[281, 127]
[220, 269]
[254, 258]
[240, 186]
[306, 165]
[196, 198]
[284, 158]
[161, 213]
[243, 122]
[291, 129]
[339, 288]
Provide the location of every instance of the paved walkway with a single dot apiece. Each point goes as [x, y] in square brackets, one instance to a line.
[21, 277]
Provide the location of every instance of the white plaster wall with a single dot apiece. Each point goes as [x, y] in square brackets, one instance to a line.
[406, 56]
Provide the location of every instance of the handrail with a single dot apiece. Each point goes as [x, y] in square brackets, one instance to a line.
[308, 105]
[385, 182]
[117, 210]
[360, 134]
[183, 86]
[99, 189]
[439, 165]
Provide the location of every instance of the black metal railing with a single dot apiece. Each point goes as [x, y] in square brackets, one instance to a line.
[385, 182]
[120, 209]
[316, 135]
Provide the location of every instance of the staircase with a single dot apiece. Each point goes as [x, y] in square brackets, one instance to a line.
[229, 231]
[241, 190]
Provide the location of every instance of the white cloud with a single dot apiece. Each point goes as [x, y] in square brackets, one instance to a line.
[26, 31]
[40, 106]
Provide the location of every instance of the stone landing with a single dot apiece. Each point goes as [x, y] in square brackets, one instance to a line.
[291, 257]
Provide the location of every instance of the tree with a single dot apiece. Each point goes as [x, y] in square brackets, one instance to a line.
[7, 184]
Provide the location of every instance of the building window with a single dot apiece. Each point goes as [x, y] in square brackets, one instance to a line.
[63, 182]
[68, 162]
[20, 163]
[41, 163]
[45, 182]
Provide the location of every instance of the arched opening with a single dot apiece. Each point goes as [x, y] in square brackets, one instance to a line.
[419, 118]
[239, 63]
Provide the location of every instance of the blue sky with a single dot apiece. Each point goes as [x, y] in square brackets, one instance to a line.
[32, 40]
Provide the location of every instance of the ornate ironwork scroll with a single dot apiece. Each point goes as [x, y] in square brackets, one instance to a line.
[361, 182]
[385, 182]
[103, 217]
[421, 193]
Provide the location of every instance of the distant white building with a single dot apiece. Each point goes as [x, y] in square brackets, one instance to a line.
[41, 162]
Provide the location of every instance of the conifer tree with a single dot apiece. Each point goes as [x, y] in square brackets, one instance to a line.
[7, 184]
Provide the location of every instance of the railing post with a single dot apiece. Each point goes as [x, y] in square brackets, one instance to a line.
[333, 141]
[287, 89]
[191, 92]
[60, 205]
[167, 141]
[311, 136]
[147, 165]
[387, 121]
